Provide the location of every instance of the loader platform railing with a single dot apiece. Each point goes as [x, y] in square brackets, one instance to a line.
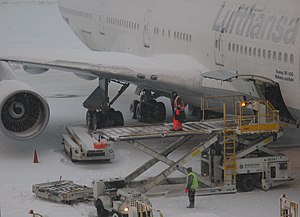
[264, 117]
[245, 116]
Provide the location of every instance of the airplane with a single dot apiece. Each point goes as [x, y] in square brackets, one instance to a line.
[194, 47]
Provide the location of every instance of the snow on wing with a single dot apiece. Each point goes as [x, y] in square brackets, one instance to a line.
[134, 69]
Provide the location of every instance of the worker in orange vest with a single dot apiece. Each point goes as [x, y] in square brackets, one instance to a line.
[178, 112]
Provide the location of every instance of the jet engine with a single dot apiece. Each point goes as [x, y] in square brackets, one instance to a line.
[24, 112]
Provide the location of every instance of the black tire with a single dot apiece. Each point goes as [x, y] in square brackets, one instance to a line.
[100, 120]
[247, 183]
[140, 112]
[91, 120]
[162, 111]
[133, 106]
[101, 212]
[151, 112]
[108, 118]
[118, 118]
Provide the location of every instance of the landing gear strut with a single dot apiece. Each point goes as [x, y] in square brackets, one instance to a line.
[100, 114]
[148, 109]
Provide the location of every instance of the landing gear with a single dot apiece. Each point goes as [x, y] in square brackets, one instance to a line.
[100, 114]
[98, 119]
[148, 109]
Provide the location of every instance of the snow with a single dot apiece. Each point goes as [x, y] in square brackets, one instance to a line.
[38, 24]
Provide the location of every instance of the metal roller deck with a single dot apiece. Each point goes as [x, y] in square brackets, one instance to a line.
[161, 130]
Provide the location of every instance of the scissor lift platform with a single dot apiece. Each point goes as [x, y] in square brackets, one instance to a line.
[224, 132]
[206, 130]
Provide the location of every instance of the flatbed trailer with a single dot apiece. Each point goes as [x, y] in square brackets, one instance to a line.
[64, 191]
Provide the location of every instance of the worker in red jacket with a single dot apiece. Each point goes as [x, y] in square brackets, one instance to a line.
[178, 112]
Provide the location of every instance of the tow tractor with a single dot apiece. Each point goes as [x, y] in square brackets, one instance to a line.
[113, 199]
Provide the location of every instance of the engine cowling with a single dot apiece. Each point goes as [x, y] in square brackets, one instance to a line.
[24, 111]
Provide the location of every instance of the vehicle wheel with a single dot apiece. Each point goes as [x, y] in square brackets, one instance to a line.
[248, 183]
[115, 214]
[162, 111]
[140, 112]
[133, 106]
[101, 212]
[118, 118]
[91, 120]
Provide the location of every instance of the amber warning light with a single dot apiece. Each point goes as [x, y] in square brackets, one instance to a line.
[243, 104]
[100, 145]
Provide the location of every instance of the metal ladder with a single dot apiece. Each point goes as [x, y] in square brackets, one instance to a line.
[229, 162]
[229, 155]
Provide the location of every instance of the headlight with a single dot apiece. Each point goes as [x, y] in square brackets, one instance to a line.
[126, 209]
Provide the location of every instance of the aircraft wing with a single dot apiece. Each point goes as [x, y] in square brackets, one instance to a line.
[158, 72]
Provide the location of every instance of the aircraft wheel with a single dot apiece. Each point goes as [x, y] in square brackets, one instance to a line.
[133, 106]
[140, 112]
[118, 118]
[108, 118]
[161, 111]
[91, 120]
[100, 120]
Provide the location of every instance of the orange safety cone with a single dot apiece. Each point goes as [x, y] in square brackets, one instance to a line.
[35, 157]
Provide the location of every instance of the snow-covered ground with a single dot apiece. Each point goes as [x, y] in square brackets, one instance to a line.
[33, 23]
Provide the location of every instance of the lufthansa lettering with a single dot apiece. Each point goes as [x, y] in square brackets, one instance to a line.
[250, 22]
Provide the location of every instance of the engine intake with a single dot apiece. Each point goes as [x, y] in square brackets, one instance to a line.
[24, 112]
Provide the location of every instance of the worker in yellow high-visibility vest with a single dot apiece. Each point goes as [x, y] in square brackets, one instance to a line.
[191, 186]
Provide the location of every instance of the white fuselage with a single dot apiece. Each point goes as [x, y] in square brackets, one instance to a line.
[258, 37]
